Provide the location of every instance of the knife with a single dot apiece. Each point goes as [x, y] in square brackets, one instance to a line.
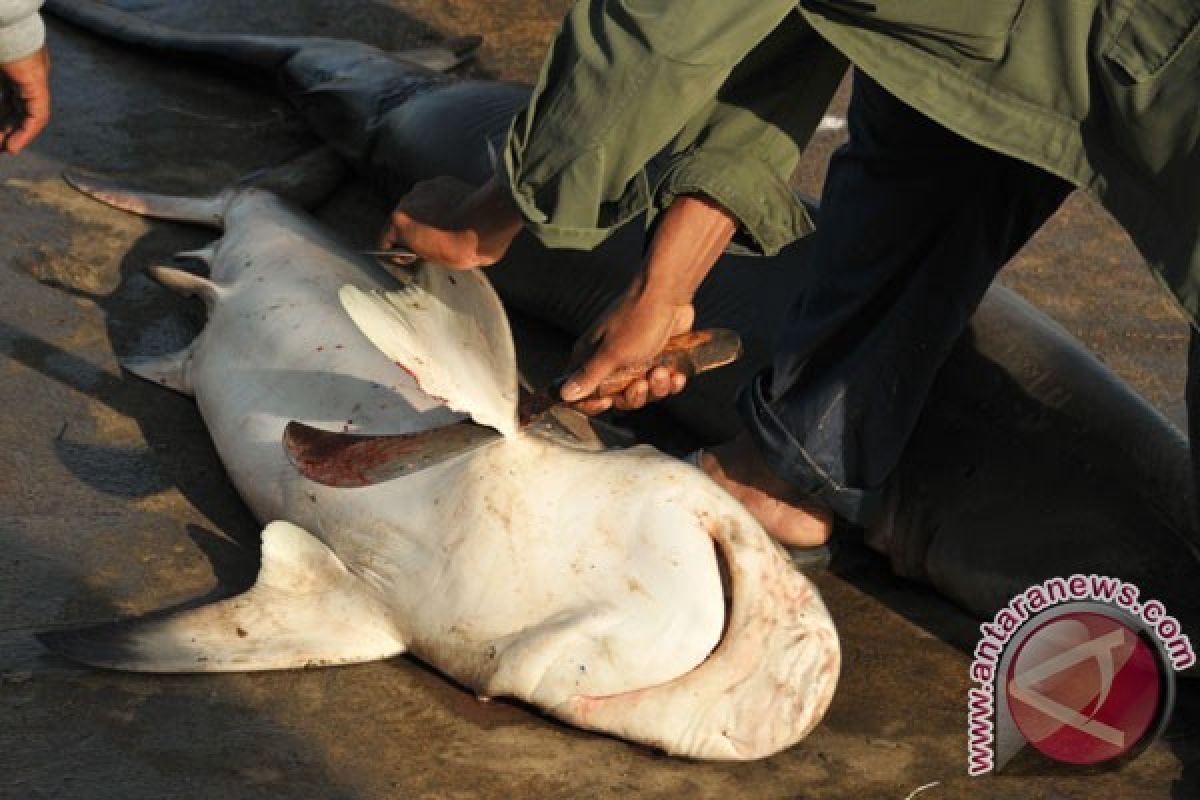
[352, 460]
[395, 255]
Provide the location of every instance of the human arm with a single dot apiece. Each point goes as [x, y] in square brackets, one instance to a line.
[453, 223]
[723, 89]
[724, 82]
[725, 180]
[622, 81]
[25, 66]
[691, 234]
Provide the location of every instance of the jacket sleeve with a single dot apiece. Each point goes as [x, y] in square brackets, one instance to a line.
[722, 88]
[21, 30]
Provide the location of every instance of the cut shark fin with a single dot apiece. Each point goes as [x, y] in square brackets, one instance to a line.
[172, 370]
[306, 610]
[449, 331]
[187, 283]
[443, 56]
[207, 211]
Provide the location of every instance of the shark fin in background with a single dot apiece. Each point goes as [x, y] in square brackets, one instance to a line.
[305, 610]
[444, 56]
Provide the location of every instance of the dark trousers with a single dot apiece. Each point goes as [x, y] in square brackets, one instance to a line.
[915, 222]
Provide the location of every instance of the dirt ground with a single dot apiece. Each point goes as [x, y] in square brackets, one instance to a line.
[112, 500]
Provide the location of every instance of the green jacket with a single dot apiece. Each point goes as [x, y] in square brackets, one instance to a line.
[1104, 93]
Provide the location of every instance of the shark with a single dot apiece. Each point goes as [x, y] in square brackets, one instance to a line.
[1031, 460]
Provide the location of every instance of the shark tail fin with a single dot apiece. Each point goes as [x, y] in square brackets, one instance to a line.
[305, 610]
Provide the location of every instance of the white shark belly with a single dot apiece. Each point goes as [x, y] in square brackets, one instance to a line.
[589, 584]
[528, 547]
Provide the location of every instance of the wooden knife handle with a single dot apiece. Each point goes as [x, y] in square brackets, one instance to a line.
[691, 353]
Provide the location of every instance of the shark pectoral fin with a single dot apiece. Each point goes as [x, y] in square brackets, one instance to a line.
[207, 211]
[172, 370]
[306, 610]
[449, 331]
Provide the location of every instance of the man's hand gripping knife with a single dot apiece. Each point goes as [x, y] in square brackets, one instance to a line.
[690, 237]
[460, 226]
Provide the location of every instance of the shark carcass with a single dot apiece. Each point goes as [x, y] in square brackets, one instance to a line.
[1031, 459]
[620, 591]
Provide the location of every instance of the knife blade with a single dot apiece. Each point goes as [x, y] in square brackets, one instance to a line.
[395, 255]
[351, 460]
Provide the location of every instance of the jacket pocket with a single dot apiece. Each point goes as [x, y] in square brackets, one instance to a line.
[966, 28]
[1152, 35]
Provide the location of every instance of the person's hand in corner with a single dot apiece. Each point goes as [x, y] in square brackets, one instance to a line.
[23, 120]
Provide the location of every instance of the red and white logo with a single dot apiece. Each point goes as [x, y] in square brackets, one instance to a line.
[1085, 687]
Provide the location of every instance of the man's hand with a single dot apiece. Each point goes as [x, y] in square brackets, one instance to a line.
[29, 78]
[453, 223]
[690, 237]
[633, 332]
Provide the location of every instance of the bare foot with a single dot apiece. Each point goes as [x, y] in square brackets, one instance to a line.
[739, 469]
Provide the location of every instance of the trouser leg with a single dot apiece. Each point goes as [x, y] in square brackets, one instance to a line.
[914, 223]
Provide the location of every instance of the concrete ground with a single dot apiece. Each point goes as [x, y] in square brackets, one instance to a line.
[113, 502]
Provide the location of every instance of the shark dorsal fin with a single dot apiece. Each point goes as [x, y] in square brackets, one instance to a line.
[448, 329]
